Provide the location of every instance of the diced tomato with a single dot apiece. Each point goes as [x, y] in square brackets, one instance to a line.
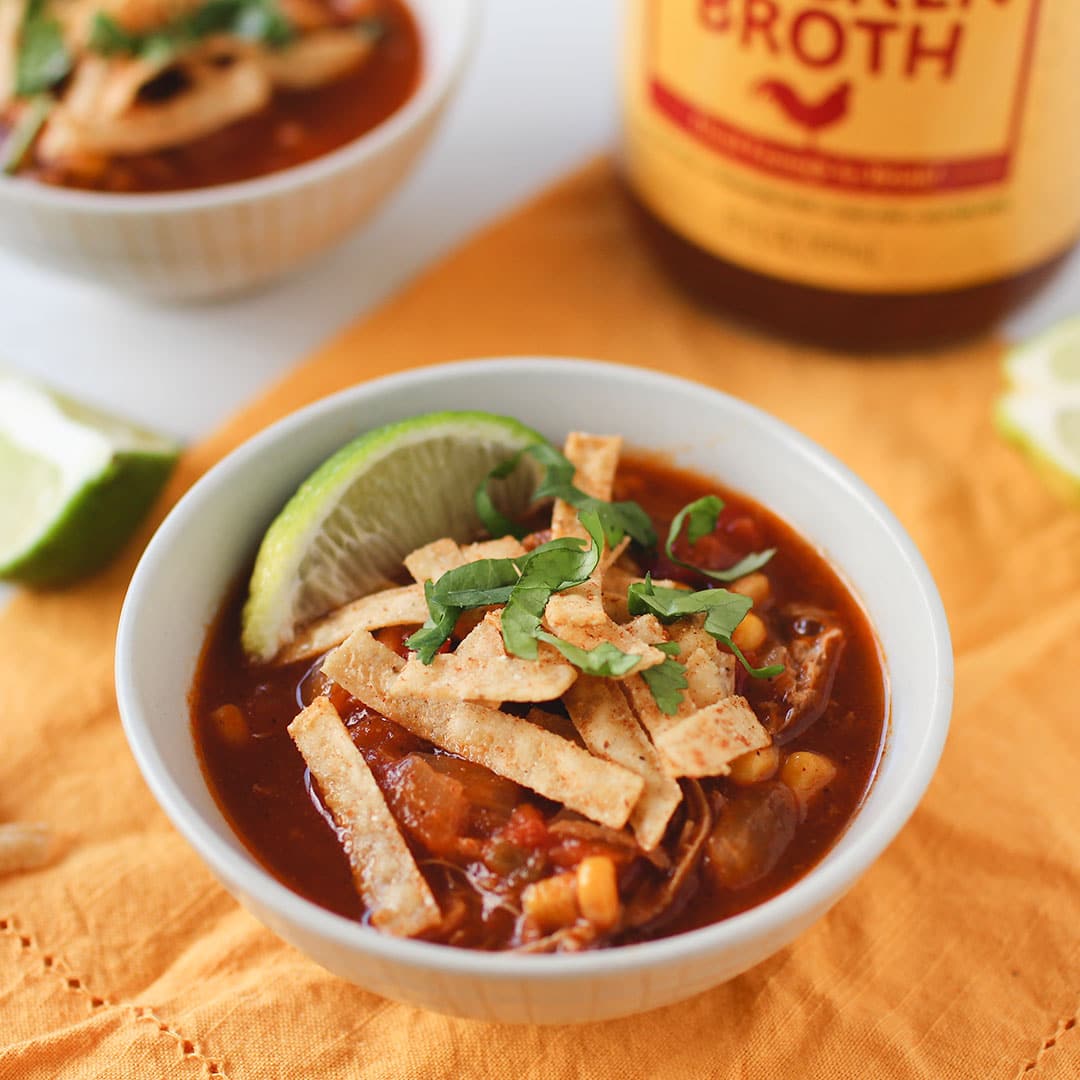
[430, 805]
[535, 539]
[570, 850]
[743, 530]
[372, 731]
[342, 700]
[526, 828]
[665, 570]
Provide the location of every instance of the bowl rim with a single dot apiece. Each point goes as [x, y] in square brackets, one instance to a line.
[434, 85]
[812, 894]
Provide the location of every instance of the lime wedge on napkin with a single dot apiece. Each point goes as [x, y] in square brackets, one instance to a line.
[349, 525]
[74, 484]
[1040, 411]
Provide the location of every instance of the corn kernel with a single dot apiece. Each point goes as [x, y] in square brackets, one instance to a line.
[231, 725]
[598, 892]
[807, 774]
[755, 585]
[751, 633]
[552, 903]
[755, 766]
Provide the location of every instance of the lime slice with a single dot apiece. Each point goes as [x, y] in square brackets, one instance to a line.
[1041, 410]
[348, 527]
[74, 484]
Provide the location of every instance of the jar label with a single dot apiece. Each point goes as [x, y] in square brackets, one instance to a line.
[868, 145]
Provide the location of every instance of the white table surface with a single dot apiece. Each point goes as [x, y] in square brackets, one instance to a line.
[539, 98]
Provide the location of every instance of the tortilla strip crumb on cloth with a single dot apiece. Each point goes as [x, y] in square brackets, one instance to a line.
[955, 956]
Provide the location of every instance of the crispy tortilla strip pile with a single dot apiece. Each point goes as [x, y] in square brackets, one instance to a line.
[578, 615]
[383, 868]
[507, 745]
[623, 773]
[403, 606]
[480, 670]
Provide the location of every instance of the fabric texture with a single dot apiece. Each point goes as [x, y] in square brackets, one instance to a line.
[958, 953]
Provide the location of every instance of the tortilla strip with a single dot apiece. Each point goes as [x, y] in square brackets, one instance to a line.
[595, 459]
[383, 869]
[613, 555]
[484, 640]
[508, 745]
[710, 672]
[578, 615]
[317, 57]
[430, 562]
[556, 723]
[604, 721]
[643, 704]
[566, 622]
[504, 547]
[707, 742]
[484, 672]
[404, 606]
[24, 847]
[580, 606]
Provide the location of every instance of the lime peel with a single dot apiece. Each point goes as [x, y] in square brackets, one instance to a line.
[1040, 412]
[345, 531]
[75, 484]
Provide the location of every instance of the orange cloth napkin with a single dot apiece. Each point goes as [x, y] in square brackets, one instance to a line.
[958, 954]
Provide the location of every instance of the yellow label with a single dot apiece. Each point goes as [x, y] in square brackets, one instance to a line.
[862, 145]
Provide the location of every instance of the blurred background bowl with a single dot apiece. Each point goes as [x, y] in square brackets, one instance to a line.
[208, 243]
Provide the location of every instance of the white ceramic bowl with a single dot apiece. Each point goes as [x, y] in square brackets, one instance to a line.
[209, 537]
[211, 242]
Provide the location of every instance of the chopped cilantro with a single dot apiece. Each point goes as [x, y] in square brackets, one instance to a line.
[43, 59]
[667, 681]
[617, 519]
[723, 612]
[703, 514]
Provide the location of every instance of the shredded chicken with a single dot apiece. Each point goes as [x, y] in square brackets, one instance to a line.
[800, 695]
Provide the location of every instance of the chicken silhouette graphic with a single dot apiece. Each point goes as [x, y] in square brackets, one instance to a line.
[812, 117]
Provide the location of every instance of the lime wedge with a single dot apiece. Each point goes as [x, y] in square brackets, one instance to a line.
[74, 484]
[1040, 411]
[349, 525]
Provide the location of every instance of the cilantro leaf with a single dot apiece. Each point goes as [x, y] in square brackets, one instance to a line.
[108, 37]
[43, 58]
[723, 612]
[524, 585]
[21, 137]
[756, 672]
[252, 20]
[521, 619]
[604, 660]
[617, 519]
[703, 514]
[493, 519]
[667, 681]
[547, 570]
[477, 584]
[442, 618]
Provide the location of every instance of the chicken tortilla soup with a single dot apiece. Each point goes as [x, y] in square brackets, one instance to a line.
[609, 701]
[164, 95]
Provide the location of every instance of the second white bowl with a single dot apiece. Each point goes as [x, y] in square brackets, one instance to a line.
[208, 243]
